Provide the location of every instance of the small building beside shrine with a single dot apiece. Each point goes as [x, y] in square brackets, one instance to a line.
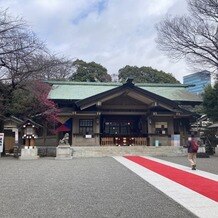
[115, 114]
[11, 133]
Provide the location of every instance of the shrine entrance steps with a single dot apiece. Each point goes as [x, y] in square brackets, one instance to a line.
[103, 151]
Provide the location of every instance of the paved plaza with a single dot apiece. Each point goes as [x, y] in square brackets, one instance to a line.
[205, 164]
[85, 187]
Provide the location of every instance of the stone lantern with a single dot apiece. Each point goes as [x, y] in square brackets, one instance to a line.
[29, 134]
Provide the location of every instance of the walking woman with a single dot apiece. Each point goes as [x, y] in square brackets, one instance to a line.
[192, 146]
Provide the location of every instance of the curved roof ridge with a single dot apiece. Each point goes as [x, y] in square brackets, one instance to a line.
[163, 85]
[53, 82]
[117, 84]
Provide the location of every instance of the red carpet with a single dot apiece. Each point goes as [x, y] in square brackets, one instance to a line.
[203, 186]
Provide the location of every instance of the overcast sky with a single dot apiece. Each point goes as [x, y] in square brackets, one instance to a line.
[114, 33]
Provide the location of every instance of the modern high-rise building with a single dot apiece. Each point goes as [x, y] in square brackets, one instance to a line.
[200, 80]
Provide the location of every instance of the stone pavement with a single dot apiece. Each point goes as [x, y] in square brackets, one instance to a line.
[81, 187]
[86, 187]
[205, 164]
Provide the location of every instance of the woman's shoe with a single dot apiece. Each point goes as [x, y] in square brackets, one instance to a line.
[194, 167]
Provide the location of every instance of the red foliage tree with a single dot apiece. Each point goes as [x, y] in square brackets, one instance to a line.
[43, 106]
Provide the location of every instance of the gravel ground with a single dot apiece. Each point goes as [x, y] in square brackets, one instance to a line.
[81, 187]
[205, 164]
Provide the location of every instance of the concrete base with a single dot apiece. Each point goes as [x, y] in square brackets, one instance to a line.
[63, 152]
[29, 154]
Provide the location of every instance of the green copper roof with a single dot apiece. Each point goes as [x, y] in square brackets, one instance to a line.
[81, 90]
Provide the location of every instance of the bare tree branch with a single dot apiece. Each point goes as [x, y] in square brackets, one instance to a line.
[193, 37]
[24, 58]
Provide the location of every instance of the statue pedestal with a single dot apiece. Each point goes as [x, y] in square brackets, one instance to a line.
[63, 152]
[29, 154]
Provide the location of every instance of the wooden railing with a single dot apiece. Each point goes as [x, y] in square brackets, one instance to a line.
[107, 141]
[140, 141]
[112, 141]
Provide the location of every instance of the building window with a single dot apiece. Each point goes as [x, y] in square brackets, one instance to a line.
[117, 128]
[86, 126]
[161, 127]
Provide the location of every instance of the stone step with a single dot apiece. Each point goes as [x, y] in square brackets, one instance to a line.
[98, 151]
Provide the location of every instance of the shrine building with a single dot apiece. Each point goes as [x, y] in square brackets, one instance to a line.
[116, 114]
